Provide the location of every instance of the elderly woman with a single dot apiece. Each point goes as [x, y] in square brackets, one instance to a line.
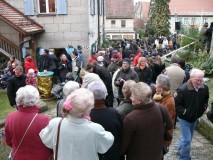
[101, 113]
[125, 106]
[68, 88]
[144, 71]
[164, 96]
[22, 127]
[143, 128]
[78, 137]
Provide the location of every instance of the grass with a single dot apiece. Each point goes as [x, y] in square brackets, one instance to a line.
[4, 105]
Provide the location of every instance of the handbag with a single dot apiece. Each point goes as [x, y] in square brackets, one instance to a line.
[166, 136]
[10, 157]
[57, 142]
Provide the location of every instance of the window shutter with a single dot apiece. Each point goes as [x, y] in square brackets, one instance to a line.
[92, 7]
[29, 7]
[62, 7]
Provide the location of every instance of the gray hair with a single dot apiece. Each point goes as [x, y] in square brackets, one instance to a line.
[175, 59]
[196, 71]
[126, 89]
[27, 96]
[69, 87]
[99, 89]
[163, 81]
[142, 92]
[19, 68]
[82, 101]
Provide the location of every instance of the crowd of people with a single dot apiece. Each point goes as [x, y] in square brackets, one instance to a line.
[111, 110]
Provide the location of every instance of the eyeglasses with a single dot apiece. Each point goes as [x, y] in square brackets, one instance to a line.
[198, 80]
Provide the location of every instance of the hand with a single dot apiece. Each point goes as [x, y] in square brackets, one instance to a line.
[45, 71]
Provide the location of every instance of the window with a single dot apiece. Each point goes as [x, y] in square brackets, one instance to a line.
[113, 23]
[205, 20]
[46, 6]
[186, 21]
[118, 37]
[92, 7]
[193, 21]
[179, 19]
[123, 23]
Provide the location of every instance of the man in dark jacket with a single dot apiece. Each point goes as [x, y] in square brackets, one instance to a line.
[106, 77]
[191, 101]
[46, 62]
[14, 83]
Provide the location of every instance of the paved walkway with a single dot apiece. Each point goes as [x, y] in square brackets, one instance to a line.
[202, 149]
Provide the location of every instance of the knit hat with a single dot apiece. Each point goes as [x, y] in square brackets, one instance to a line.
[127, 60]
[27, 55]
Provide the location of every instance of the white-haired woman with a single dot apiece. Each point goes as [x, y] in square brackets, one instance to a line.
[79, 138]
[100, 114]
[164, 96]
[68, 88]
[22, 127]
[143, 128]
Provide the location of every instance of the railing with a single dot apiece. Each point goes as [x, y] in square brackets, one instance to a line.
[8, 48]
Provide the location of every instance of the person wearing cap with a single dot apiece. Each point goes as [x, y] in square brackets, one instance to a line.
[114, 65]
[29, 63]
[100, 114]
[125, 73]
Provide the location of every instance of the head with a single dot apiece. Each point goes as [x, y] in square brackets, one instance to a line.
[211, 25]
[206, 24]
[18, 71]
[182, 63]
[45, 52]
[175, 59]
[14, 65]
[28, 56]
[31, 73]
[74, 101]
[196, 77]
[75, 53]
[126, 63]
[126, 89]
[141, 94]
[27, 96]
[90, 67]
[12, 59]
[63, 57]
[69, 87]
[162, 84]
[99, 90]
[142, 61]
[79, 47]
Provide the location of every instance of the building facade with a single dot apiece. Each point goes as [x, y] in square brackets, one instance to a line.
[64, 22]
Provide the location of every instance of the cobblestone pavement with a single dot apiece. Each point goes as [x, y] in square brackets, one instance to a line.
[202, 149]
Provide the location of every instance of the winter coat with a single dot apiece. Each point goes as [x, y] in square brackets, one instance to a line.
[46, 63]
[28, 64]
[14, 83]
[31, 147]
[142, 136]
[64, 68]
[144, 75]
[191, 104]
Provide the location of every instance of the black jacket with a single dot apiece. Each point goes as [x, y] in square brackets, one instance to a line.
[46, 63]
[14, 83]
[144, 75]
[191, 104]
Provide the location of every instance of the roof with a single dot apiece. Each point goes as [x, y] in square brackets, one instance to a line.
[120, 9]
[192, 7]
[18, 20]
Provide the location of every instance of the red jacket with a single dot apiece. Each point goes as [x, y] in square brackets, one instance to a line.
[92, 59]
[29, 63]
[15, 126]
